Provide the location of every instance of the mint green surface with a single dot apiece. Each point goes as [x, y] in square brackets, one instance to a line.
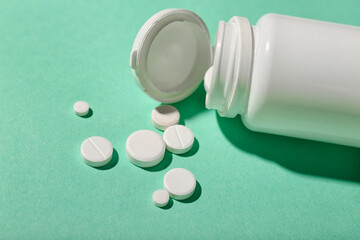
[251, 185]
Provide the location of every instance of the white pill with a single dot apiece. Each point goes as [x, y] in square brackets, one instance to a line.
[81, 108]
[160, 198]
[178, 138]
[164, 116]
[96, 151]
[145, 148]
[180, 183]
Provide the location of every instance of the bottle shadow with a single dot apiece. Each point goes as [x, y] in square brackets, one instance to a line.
[302, 156]
[192, 105]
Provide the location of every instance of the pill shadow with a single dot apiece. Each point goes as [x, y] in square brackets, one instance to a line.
[169, 205]
[298, 155]
[89, 114]
[114, 160]
[193, 150]
[195, 196]
[162, 165]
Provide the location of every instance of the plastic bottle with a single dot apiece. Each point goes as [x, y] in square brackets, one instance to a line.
[285, 75]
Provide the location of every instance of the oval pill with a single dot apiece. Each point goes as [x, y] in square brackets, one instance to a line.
[178, 138]
[179, 183]
[145, 148]
[96, 151]
[164, 116]
[81, 108]
[160, 198]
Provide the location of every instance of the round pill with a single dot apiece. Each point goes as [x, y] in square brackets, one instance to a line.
[81, 108]
[164, 116]
[178, 138]
[180, 183]
[96, 151]
[160, 198]
[145, 148]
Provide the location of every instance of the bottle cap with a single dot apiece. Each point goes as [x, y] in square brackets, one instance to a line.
[171, 54]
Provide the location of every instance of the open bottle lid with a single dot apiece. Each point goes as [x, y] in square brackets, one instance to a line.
[171, 55]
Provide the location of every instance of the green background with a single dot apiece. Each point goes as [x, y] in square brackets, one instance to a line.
[251, 185]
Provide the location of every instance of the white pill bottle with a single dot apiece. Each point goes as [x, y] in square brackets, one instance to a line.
[286, 75]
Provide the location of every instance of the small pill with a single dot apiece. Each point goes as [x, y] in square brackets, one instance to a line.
[145, 148]
[164, 116]
[179, 183]
[81, 108]
[178, 138]
[160, 198]
[96, 151]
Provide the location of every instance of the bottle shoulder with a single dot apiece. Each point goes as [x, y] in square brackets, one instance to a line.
[270, 19]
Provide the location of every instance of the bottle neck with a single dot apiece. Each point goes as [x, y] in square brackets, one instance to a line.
[227, 82]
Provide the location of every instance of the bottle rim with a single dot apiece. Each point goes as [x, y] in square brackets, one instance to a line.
[227, 82]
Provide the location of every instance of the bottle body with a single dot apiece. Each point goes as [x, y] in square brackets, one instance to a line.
[305, 80]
